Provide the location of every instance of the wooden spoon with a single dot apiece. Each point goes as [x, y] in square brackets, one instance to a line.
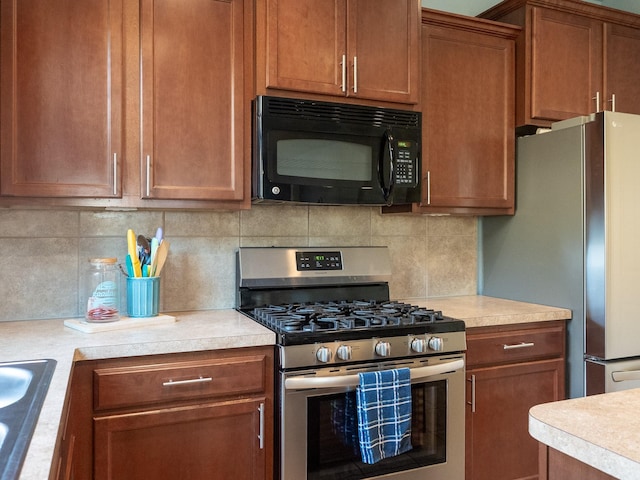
[161, 257]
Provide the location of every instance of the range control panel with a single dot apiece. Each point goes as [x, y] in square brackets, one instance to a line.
[318, 261]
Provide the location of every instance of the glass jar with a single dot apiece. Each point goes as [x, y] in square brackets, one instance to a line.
[102, 290]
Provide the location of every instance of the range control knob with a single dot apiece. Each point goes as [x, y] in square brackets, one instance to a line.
[344, 352]
[436, 344]
[323, 354]
[419, 345]
[383, 349]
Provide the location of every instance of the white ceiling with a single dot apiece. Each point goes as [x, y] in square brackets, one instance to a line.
[474, 7]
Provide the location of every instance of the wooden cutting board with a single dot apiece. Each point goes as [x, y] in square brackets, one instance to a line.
[122, 324]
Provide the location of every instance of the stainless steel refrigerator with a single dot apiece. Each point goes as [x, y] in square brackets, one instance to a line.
[574, 242]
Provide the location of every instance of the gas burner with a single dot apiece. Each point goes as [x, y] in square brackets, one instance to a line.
[339, 316]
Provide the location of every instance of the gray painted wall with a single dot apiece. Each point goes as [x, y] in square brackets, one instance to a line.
[475, 7]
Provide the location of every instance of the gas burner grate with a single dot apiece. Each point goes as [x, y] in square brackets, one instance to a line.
[340, 316]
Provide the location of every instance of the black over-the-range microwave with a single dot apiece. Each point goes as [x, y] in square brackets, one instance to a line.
[307, 151]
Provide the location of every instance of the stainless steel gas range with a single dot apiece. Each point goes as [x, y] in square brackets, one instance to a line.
[333, 319]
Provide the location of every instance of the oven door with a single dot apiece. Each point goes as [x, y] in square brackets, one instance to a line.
[319, 437]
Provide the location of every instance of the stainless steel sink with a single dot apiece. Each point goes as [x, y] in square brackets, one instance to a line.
[23, 388]
[14, 383]
[3, 433]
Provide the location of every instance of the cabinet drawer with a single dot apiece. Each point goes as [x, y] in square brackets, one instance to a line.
[508, 346]
[127, 386]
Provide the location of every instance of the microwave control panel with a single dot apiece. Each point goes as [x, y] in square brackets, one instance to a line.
[406, 163]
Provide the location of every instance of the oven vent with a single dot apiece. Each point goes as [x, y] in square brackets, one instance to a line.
[296, 109]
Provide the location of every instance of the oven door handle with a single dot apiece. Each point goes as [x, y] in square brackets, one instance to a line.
[305, 382]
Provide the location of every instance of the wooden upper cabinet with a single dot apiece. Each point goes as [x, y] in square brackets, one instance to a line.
[574, 58]
[364, 49]
[193, 100]
[126, 103]
[305, 41]
[622, 68]
[566, 64]
[468, 116]
[61, 126]
[382, 45]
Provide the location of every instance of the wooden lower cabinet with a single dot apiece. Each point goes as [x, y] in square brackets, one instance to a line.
[509, 370]
[555, 465]
[185, 416]
[213, 440]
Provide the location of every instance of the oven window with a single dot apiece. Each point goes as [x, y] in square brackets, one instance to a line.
[332, 435]
[324, 159]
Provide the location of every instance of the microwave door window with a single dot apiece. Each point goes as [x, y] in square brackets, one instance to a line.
[324, 160]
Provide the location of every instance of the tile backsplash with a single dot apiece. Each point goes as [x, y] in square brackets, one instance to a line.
[45, 252]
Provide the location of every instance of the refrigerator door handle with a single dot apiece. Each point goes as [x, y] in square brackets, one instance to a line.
[625, 376]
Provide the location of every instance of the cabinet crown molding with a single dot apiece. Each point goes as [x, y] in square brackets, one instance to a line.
[580, 7]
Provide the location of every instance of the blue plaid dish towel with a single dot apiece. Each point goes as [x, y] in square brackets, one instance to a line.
[384, 414]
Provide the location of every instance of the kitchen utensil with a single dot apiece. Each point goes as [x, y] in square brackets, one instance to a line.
[133, 252]
[154, 254]
[129, 263]
[163, 251]
[144, 250]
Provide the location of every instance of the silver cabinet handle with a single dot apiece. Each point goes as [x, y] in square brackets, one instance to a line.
[613, 102]
[148, 174]
[115, 173]
[518, 345]
[597, 99]
[173, 383]
[355, 74]
[473, 394]
[344, 74]
[428, 187]
[261, 433]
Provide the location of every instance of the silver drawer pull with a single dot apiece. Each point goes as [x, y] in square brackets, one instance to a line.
[518, 345]
[187, 382]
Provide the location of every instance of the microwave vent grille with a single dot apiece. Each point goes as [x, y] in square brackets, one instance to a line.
[339, 113]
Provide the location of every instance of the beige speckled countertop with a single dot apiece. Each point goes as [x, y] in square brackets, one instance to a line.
[27, 340]
[602, 431]
[196, 331]
[480, 311]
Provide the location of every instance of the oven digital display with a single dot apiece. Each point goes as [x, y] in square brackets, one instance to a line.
[318, 261]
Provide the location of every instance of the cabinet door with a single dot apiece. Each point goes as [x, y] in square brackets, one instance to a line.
[61, 98]
[305, 44]
[468, 119]
[622, 69]
[383, 44]
[193, 99]
[194, 442]
[566, 65]
[498, 444]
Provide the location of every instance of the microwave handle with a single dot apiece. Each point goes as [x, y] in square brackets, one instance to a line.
[386, 165]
